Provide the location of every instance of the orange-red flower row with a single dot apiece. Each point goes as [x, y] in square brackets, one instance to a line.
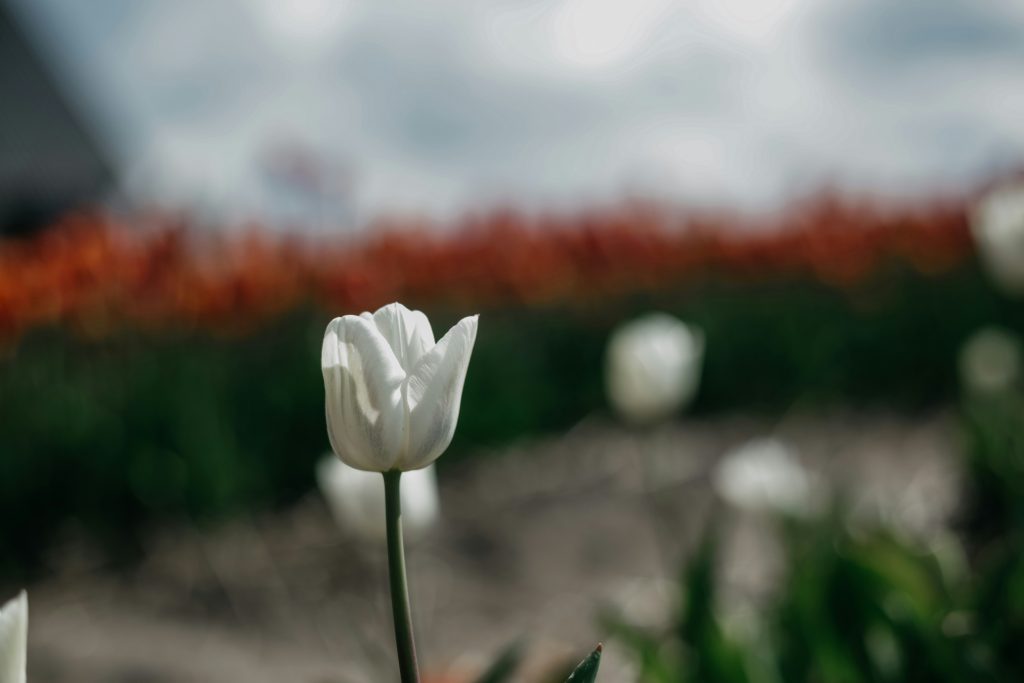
[97, 273]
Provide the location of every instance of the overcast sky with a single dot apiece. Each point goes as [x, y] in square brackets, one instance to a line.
[442, 106]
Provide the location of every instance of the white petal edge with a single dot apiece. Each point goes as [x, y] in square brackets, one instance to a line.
[14, 639]
[434, 394]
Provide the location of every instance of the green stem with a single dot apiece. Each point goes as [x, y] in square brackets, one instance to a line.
[399, 586]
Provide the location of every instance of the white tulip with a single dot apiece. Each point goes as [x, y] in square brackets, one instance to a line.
[765, 475]
[392, 394]
[13, 639]
[653, 367]
[990, 361]
[997, 223]
[356, 498]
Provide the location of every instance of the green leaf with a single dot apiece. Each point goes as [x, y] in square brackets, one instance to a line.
[586, 672]
[504, 666]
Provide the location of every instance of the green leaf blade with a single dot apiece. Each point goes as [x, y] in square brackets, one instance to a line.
[502, 669]
[586, 671]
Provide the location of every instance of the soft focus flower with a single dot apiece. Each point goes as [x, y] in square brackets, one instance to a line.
[765, 474]
[356, 498]
[392, 394]
[918, 509]
[645, 602]
[990, 361]
[13, 639]
[998, 226]
[653, 367]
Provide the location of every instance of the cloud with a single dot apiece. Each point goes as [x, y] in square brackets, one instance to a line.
[463, 104]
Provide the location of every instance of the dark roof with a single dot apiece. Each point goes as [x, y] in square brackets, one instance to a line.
[49, 160]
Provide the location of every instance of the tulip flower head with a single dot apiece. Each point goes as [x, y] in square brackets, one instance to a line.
[392, 393]
[356, 498]
[990, 362]
[765, 475]
[13, 639]
[997, 223]
[653, 367]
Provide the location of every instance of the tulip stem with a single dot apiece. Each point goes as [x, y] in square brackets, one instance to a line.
[399, 585]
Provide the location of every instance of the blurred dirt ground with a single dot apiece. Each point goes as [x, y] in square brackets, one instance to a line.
[533, 540]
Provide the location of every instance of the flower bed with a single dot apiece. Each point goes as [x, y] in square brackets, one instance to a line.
[154, 371]
[97, 273]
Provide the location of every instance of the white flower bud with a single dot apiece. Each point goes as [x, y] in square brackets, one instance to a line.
[765, 475]
[990, 361]
[392, 394]
[653, 367]
[997, 223]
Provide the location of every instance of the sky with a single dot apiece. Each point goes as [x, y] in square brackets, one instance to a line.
[324, 112]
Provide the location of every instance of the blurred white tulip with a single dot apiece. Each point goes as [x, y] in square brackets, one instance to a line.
[13, 639]
[356, 499]
[990, 361]
[392, 394]
[766, 475]
[997, 223]
[653, 367]
[645, 602]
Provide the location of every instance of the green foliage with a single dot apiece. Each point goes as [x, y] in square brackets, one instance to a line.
[998, 608]
[708, 654]
[994, 437]
[868, 606]
[695, 648]
[105, 436]
[995, 447]
[504, 667]
[852, 610]
[865, 609]
[586, 671]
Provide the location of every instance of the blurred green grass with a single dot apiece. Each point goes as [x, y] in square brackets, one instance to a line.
[110, 435]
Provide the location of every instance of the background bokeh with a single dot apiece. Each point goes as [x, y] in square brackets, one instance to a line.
[190, 191]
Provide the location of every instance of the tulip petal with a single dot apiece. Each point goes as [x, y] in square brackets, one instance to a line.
[408, 333]
[434, 394]
[13, 639]
[366, 418]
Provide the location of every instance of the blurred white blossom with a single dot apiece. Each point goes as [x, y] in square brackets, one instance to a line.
[997, 223]
[645, 602]
[356, 499]
[765, 475]
[13, 639]
[653, 367]
[990, 361]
